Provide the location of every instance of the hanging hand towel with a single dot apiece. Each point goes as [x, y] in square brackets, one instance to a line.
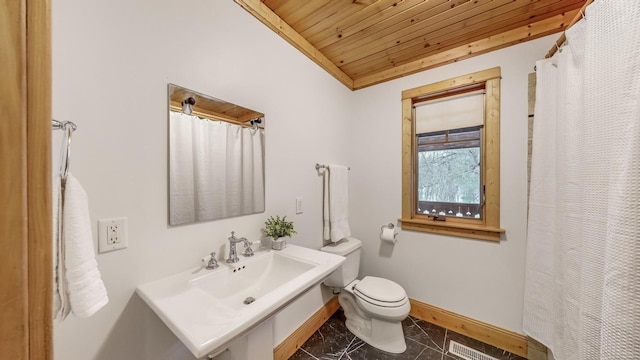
[326, 224]
[60, 295]
[339, 202]
[87, 293]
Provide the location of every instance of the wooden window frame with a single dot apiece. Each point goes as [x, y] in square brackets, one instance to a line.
[487, 228]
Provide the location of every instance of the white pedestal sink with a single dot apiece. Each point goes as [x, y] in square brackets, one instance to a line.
[209, 310]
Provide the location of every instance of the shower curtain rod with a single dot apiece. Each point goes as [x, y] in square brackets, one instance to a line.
[563, 37]
[248, 124]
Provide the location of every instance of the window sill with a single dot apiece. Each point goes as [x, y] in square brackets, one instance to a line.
[454, 229]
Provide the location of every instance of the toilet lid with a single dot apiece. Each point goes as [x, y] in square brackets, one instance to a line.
[379, 289]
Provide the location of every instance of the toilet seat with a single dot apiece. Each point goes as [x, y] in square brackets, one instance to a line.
[380, 292]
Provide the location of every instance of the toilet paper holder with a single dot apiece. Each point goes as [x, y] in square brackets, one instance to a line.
[388, 233]
[387, 226]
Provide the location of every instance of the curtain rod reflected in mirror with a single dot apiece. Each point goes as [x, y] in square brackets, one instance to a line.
[216, 158]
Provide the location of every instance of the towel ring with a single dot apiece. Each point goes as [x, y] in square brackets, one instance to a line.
[65, 154]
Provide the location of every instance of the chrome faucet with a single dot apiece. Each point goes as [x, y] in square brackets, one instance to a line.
[233, 255]
[213, 263]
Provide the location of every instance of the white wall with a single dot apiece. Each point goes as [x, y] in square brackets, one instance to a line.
[111, 64]
[112, 61]
[480, 279]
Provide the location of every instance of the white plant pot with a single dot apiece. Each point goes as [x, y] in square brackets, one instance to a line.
[278, 244]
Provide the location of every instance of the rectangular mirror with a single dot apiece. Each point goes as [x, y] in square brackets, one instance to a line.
[216, 158]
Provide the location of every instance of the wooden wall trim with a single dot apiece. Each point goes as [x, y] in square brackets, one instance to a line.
[25, 180]
[14, 331]
[292, 343]
[408, 144]
[490, 334]
[39, 200]
[504, 339]
[536, 350]
[492, 153]
[469, 231]
[458, 82]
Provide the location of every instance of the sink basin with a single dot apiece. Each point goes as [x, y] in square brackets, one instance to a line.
[252, 280]
[208, 309]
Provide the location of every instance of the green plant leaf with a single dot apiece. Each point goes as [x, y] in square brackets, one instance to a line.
[277, 227]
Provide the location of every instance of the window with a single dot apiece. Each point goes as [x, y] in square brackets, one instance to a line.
[451, 164]
[448, 177]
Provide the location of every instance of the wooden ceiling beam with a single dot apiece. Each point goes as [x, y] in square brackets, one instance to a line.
[279, 26]
[511, 37]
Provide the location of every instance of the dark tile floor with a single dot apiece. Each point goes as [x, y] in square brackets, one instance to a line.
[425, 341]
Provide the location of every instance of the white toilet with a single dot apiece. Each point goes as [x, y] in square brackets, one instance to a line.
[374, 307]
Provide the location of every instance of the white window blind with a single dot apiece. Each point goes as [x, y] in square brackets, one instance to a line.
[452, 112]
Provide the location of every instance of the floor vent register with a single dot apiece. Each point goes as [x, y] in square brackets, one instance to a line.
[467, 353]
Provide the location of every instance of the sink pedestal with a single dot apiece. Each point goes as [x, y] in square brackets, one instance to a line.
[257, 344]
[232, 306]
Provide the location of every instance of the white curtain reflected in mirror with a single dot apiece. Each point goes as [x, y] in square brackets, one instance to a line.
[216, 168]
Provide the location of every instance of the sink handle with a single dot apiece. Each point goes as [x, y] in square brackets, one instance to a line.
[248, 251]
[213, 263]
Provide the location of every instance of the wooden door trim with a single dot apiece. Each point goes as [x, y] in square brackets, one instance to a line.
[39, 202]
[25, 178]
[14, 340]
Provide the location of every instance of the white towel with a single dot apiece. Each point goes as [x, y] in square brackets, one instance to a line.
[60, 296]
[326, 225]
[339, 202]
[87, 293]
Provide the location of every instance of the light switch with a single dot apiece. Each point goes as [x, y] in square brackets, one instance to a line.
[298, 205]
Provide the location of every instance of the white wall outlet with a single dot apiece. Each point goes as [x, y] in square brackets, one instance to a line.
[298, 205]
[112, 234]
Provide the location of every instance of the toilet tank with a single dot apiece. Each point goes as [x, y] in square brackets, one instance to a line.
[349, 248]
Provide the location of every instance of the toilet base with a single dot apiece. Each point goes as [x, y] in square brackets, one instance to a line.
[382, 334]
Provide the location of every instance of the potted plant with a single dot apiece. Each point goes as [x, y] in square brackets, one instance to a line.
[277, 228]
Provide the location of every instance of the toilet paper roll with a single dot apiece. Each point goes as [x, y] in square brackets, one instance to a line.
[388, 235]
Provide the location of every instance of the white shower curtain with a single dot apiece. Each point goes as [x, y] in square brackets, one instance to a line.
[582, 286]
[216, 169]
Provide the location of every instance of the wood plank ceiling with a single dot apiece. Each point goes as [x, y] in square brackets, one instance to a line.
[366, 42]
